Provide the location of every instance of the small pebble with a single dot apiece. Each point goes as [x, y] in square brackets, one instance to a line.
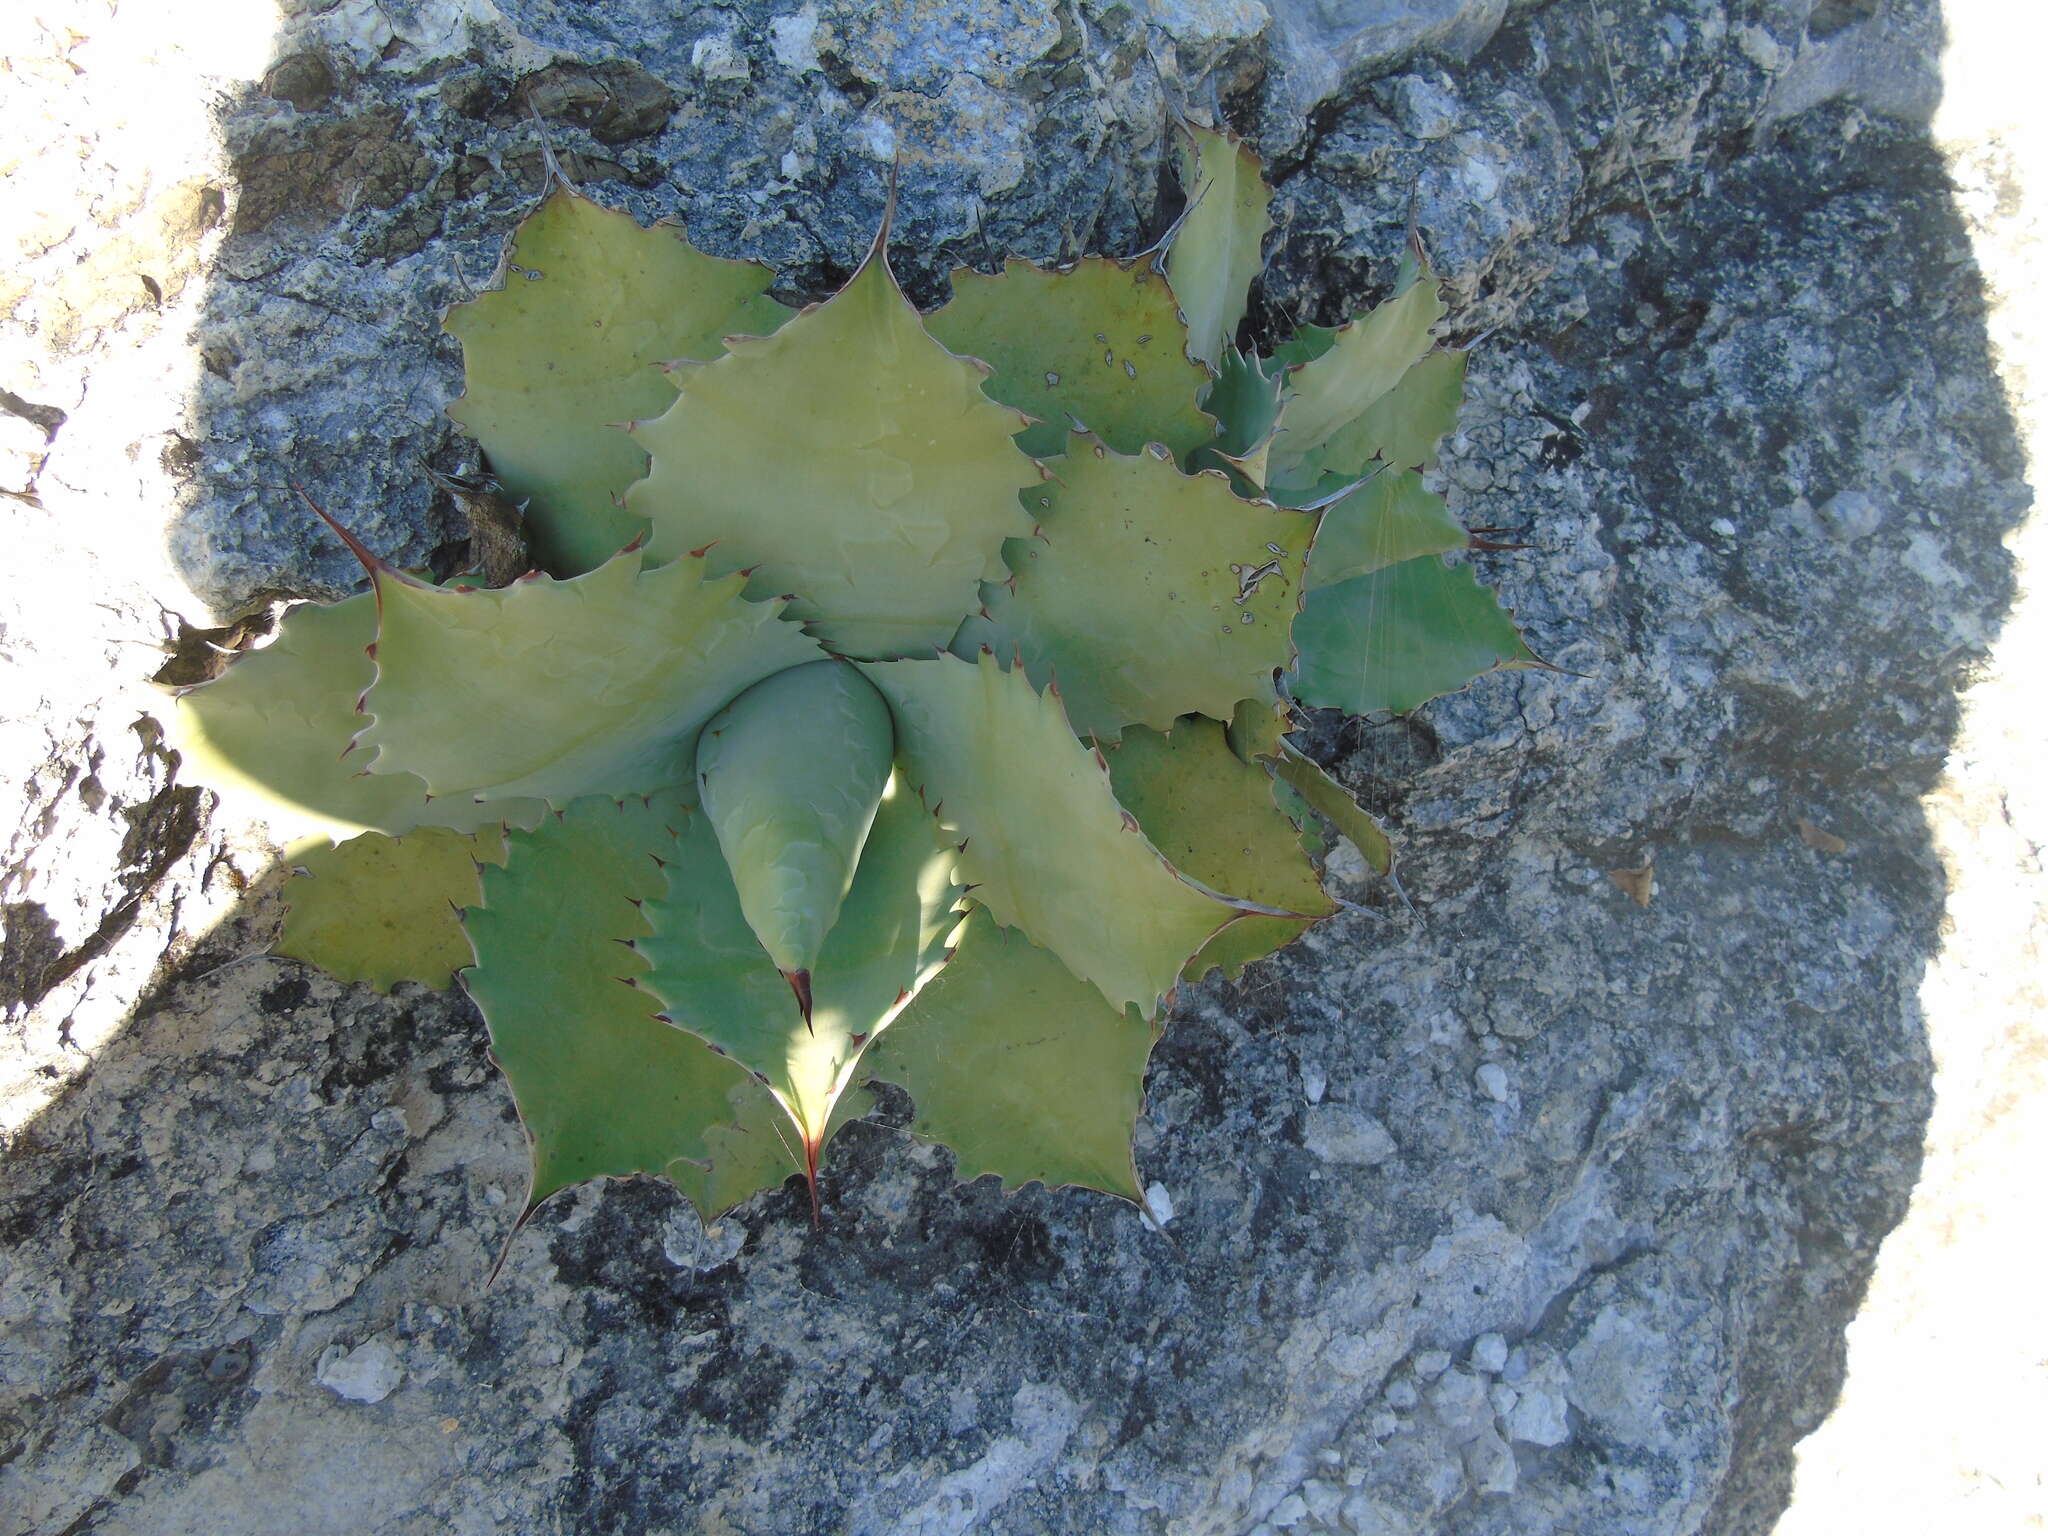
[1489, 1353]
[1291, 1510]
[1852, 515]
[1492, 1080]
[1503, 1399]
[1539, 1418]
[1158, 1209]
[1723, 527]
[1402, 1395]
[1432, 1363]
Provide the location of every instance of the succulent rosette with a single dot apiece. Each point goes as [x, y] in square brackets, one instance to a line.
[899, 697]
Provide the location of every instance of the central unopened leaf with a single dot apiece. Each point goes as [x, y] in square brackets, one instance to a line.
[1101, 343]
[716, 981]
[567, 350]
[1150, 594]
[1043, 841]
[850, 460]
[596, 685]
[790, 774]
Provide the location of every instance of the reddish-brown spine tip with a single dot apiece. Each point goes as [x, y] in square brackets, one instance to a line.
[800, 984]
[368, 561]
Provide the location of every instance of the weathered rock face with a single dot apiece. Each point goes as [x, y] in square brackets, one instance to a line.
[1525, 1210]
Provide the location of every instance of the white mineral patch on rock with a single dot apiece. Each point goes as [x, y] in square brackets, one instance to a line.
[369, 1373]
[1340, 1133]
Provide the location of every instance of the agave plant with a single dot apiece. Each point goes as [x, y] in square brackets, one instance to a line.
[900, 697]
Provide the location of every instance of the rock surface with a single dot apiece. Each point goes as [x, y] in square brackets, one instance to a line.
[1527, 1210]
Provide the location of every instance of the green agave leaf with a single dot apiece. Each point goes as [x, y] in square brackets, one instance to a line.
[1101, 342]
[881, 500]
[1333, 802]
[564, 351]
[1388, 519]
[1308, 343]
[271, 736]
[1297, 809]
[790, 774]
[1044, 845]
[1256, 727]
[1404, 426]
[1149, 594]
[1246, 402]
[715, 980]
[1217, 249]
[603, 1086]
[385, 910]
[596, 685]
[1215, 817]
[1396, 638]
[1331, 393]
[1020, 1067]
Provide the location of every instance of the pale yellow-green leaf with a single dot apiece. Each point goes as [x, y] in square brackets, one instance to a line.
[1214, 817]
[1367, 359]
[1020, 1067]
[1405, 425]
[1148, 594]
[271, 737]
[849, 460]
[1217, 250]
[1334, 803]
[1100, 343]
[596, 685]
[567, 349]
[384, 910]
[1046, 847]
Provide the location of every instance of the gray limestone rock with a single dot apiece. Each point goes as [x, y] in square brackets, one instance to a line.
[1718, 285]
